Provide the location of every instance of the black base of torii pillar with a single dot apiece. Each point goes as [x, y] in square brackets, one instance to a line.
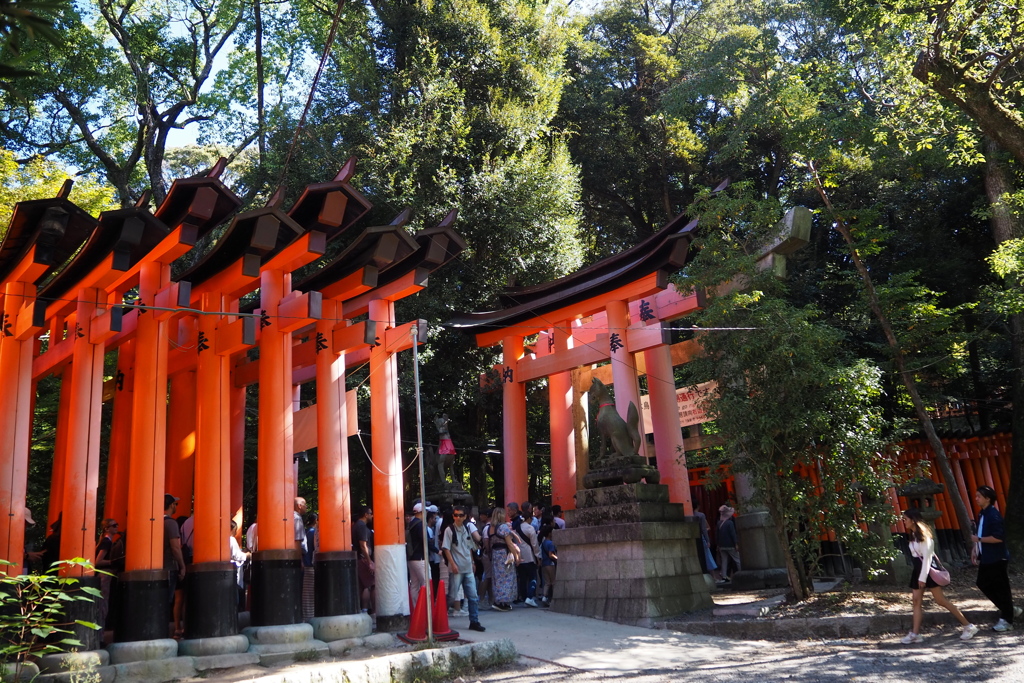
[276, 588]
[212, 600]
[335, 584]
[143, 605]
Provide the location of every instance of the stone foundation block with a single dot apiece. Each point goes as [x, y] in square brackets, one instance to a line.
[329, 629]
[493, 652]
[142, 650]
[223, 645]
[155, 670]
[26, 672]
[380, 641]
[279, 634]
[340, 648]
[209, 663]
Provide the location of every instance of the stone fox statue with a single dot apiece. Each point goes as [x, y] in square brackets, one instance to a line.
[624, 435]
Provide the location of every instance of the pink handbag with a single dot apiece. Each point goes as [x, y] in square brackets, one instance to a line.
[938, 574]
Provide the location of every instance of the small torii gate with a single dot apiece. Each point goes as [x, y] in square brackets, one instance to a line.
[620, 310]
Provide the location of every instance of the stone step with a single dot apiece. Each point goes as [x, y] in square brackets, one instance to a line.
[228, 661]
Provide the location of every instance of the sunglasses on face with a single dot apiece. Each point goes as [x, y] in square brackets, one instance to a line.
[458, 514]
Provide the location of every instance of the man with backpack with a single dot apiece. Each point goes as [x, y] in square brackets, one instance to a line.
[414, 552]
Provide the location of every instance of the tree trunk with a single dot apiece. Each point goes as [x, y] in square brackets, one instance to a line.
[959, 507]
[260, 111]
[799, 585]
[1006, 226]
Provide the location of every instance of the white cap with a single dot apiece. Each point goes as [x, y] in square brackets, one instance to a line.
[431, 508]
[417, 508]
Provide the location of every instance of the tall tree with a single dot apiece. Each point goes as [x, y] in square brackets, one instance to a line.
[968, 54]
[128, 74]
[797, 415]
[450, 106]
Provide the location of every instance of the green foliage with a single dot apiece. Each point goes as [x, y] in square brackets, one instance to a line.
[42, 178]
[790, 405]
[23, 22]
[32, 612]
[125, 75]
[1007, 261]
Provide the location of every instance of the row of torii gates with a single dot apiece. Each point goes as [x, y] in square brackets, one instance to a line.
[248, 311]
[252, 310]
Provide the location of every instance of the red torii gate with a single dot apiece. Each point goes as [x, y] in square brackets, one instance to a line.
[82, 306]
[628, 303]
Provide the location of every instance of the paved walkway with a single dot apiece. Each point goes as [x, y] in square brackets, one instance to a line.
[558, 648]
[594, 645]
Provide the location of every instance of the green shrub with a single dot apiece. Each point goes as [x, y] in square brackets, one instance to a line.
[33, 612]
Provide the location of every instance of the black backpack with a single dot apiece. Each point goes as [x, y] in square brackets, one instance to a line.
[415, 531]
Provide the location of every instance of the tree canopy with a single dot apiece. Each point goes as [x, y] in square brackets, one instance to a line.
[564, 135]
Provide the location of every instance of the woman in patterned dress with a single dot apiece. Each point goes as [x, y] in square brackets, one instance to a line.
[503, 545]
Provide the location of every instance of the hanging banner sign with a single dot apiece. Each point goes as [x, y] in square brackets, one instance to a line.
[687, 399]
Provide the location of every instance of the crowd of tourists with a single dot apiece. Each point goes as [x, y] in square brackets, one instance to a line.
[505, 557]
[493, 560]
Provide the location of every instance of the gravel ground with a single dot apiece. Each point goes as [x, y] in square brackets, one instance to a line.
[938, 658]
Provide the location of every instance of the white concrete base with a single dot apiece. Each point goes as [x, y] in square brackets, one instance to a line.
[392, 576]
[214, 663]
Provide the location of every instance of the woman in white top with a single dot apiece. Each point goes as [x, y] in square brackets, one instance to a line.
[922, 550]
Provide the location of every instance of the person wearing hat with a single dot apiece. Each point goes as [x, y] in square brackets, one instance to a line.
[415, 552]
[174, 561]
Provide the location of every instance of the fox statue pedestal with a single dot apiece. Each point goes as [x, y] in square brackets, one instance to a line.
[628, 555]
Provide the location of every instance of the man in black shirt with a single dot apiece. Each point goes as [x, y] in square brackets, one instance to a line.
[362, 543]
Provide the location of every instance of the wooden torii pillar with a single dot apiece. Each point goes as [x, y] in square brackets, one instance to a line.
[144, 597]
[392, 574]
[96, 280]
[42, 234]
[259, 249]
[17, 329]
[116, 497]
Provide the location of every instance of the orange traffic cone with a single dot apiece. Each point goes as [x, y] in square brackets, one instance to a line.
[441, 629]
[418, 621]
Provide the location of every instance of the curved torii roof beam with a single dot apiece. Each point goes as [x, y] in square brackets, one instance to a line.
[48, 230]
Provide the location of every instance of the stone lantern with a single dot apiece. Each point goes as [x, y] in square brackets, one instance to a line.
[921, 493]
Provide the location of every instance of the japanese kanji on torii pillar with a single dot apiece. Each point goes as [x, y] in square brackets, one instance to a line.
[191, 329]
[619, 310]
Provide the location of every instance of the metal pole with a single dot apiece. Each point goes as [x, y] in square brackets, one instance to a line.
[423, 491]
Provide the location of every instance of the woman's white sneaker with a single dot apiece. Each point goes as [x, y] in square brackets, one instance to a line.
[911, 638]
[968, 632]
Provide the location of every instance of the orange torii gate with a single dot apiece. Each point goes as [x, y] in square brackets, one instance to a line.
[628, 303]
[99, 286]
